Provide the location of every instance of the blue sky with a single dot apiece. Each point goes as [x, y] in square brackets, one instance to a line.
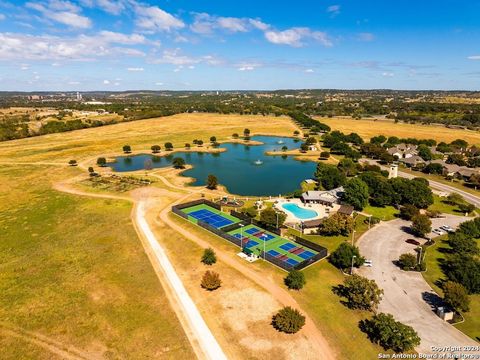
[217, 44]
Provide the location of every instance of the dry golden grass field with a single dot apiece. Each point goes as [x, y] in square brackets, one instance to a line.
[367, 128]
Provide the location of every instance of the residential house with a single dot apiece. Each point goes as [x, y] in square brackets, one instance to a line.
[403, 151]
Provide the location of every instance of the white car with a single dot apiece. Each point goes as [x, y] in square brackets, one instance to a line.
[447, 228]
[368, 263]
[439, 232]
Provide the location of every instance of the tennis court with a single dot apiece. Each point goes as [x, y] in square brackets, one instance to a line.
[210, 215]
[254, 239]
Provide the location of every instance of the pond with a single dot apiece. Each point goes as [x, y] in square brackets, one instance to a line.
[242, 169]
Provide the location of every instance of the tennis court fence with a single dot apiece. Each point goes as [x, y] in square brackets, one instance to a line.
[281, 264]
[249, 220]
[219, 232]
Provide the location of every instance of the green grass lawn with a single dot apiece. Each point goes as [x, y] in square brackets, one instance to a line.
[440, 205]
[434, 256]
[72, 268]
[383, 213]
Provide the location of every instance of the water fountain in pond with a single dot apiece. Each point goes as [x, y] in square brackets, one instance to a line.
[258, 162]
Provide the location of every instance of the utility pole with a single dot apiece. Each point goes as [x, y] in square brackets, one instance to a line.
[351, 268]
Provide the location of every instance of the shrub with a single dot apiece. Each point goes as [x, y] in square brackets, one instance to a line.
[127, 149]
[295, 280]
[407, 261]
[288, 320]
[209, 257]
[250, 211]
[178, 163]
[155, 149]
[421, 225]
[408, 211]
[324, 155]
[72, 163]
[101, 161]
[211, 280]
[168, 146]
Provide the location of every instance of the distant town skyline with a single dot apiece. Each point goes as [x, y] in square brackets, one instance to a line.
[116, 45]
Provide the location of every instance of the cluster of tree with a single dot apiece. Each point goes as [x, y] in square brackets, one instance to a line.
[345, 256]
[309, 123]
[272, 218]
[463, 264]
[337, 224]
[288, 320]
[295, 280]
[360, 293]
[338, 143]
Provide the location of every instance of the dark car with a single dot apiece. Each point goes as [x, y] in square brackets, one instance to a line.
[413, 242]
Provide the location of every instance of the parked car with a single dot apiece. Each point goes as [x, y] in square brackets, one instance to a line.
[447, 228]
[368, 263]
[413, 242]
[439, 232]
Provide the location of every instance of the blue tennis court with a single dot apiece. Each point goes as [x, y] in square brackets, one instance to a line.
[273, 252]
[287, 246]
[253, 230]
[210, 218]
[250, 243]
[292, 262]
[306, 254]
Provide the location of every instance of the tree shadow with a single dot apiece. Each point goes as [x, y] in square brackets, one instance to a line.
[432, 299]
[341, 291]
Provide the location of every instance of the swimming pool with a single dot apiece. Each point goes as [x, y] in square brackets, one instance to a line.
[299, 212]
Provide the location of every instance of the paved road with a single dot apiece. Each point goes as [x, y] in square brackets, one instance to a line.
[204, 336]
[407, 296]
[475, 200]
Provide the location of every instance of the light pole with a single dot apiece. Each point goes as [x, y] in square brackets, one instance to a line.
[264, 241]
[353, 236]
[351, 268]
[241, 236]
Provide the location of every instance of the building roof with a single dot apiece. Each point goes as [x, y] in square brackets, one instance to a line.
[312, 223]
[327, 196]
[412, 160]
[346, 210]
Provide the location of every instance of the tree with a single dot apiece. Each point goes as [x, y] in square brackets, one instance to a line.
[348, 167]
[329, 176]
[209, 257]
[466, 208]
[168, 146]
[454, 198]
[407, 262]
[187, 146]
[91, 171]
[246, 133]
[200, 142]
[178, 163]
[433, 168]
[390, 334]
[269, 217]
[361, 293]
[284, 148]
[324, 155]
[356, 193]
[101, 161]
[155, 149]
[303, 148]
[421, 225]
[310, 140]
[455, 295]
[211, 280]
[456, 159]
[337, 224]
[424, 152]
[464, 270]
[288, 320]
[127, 149]
[212, 182]
[235, 135]
[72, 163]
[295, 280]
[296, 133]
[407, 212]
[213, 139]
[380, 139]
[343, 255]
[250, 212]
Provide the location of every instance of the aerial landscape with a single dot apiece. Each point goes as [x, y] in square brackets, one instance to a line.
[239, 180]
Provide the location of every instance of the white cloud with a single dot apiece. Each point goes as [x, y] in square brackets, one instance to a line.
[45, 47]
[365, 36]
[73, 83]
[135, 69]
[154, 19]
[247, 66]
[110, 6]
[334, 10]
[24, 67]
[106, 82]
[206, 24]
[2, 17]
[175, 57]
[295, 36]
[388, 74]
[120, 38]
[63, 12]
[474, 57]
[159, 83]
[310, 71]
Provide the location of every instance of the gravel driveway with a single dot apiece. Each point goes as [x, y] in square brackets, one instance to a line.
[407, 296]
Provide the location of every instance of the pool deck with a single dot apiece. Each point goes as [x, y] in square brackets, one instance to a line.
[321, 210]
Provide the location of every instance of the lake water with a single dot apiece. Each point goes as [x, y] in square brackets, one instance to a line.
[235, 168]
